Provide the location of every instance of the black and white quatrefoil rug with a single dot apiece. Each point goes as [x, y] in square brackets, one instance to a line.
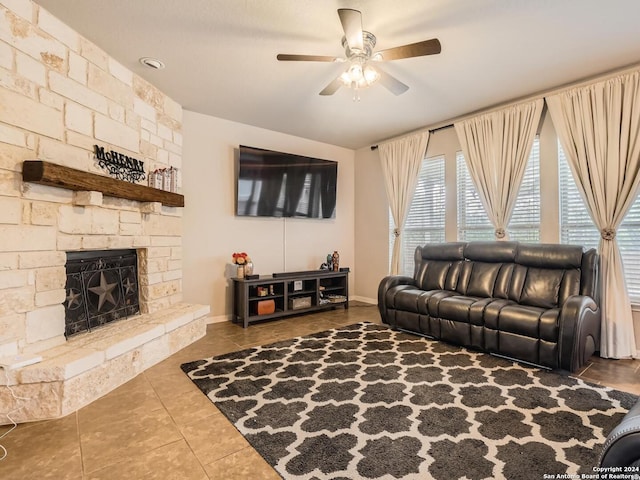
[365, 402]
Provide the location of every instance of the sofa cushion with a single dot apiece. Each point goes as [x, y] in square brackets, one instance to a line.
[529, 321]
[456, 308]
[544, 255]
[429, 303]
[407, 299]
[391, 294]
[491, 251]
[482, 279]
[541, 287]
[432, 274]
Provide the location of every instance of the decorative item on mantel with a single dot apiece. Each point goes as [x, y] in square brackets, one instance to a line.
[244, 264]
[164, 179]
[119, 165]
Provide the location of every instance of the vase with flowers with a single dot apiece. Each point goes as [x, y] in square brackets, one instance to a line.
[244, 264]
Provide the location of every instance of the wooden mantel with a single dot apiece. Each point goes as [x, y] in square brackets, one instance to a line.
[46, 173]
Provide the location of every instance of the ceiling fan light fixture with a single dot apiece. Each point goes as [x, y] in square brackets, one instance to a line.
[359, 75]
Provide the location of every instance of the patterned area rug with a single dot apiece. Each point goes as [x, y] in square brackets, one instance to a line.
[366, 402]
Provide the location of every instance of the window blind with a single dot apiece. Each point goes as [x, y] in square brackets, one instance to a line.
[576, 226]
[473, 222]
[425, 221]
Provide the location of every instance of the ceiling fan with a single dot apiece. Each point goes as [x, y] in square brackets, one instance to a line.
[359, 55]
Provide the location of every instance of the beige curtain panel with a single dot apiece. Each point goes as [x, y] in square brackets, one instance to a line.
[496, 148]
[401, 161]
[599, 128]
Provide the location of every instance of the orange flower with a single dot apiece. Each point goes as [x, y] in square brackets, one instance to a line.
[240, 258]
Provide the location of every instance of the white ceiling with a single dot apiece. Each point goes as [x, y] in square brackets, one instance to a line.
[220, 56]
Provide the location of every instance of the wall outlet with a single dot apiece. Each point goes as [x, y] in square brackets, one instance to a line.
[17, 361]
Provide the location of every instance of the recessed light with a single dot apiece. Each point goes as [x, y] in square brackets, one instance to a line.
[152, 63]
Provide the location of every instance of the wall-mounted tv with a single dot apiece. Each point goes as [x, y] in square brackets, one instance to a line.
[276, 184]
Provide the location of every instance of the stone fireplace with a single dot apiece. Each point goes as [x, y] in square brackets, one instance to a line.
[62, 96]
[79, 296]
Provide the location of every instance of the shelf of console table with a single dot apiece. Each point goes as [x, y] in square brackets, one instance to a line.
[46, 173]
[282, 289]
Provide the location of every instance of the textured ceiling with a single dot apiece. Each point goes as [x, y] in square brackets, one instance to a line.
[220, 56]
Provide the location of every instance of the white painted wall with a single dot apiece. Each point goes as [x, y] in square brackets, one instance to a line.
[212, 232]
[371, 225]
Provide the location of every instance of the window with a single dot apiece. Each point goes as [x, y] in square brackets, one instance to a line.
[473, 222]
[425, 221]
[576, 227]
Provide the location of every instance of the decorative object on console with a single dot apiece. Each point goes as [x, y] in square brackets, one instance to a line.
[298, 303]
[335, 261]
[266, 307]
[243, 261]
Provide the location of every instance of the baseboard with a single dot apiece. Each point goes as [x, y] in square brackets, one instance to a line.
[372, 301]
[218, 319]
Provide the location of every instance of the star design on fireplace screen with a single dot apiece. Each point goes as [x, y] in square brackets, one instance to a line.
[129, 286]
[104, 291]
[73, 298]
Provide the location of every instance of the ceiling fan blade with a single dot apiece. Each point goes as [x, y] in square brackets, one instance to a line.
[285, 57]
[418, 49]
[352, 25]
[391, 83]
[332, 87]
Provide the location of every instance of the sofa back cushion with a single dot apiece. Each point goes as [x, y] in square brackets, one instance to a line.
[433, 274]
[487, 271]
[482, 278]
[547, 274]
[541, 287]
[438, 265]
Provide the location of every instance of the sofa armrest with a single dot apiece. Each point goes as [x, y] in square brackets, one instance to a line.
[622, 447]
[385, 284]
[579, 331]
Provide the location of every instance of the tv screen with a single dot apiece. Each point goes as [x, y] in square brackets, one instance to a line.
[275, 184]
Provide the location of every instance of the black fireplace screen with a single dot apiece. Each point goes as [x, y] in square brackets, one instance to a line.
[102, 286]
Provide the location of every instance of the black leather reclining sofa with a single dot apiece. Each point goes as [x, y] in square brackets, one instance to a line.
[537, 303]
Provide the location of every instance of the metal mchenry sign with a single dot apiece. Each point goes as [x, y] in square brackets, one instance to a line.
[119, 165]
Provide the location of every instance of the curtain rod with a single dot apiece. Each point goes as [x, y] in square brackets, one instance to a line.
[375, 147]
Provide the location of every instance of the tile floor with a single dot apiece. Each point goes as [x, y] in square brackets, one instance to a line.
[160, 426]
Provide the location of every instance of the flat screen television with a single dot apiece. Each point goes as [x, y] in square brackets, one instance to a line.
[276, 184]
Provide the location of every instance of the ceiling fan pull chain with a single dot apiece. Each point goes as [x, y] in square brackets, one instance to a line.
[356, 92]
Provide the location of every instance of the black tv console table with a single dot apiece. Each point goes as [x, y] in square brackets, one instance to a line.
[288, 294]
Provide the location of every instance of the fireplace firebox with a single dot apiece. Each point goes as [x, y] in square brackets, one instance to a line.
[102, 286]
